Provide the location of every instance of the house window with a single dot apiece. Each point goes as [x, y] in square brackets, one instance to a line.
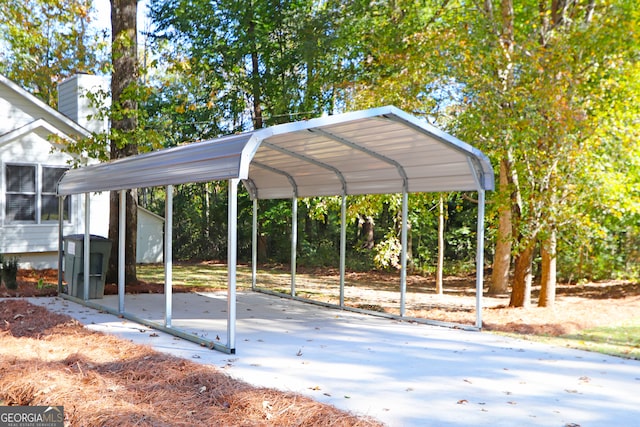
[21, 193]
[29, 199]
[50, 201]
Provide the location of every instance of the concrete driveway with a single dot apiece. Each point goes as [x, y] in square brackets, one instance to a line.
[402, 373]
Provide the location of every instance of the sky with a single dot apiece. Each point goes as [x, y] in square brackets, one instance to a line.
[102, 17]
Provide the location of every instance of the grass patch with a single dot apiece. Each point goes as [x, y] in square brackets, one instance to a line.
[616, 340]
[196, 275]
[214, 276]
[622, 340]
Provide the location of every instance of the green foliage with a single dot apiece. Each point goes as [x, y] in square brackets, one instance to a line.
[271, 58]
[388, 252]
[553, 92]
[44, 41]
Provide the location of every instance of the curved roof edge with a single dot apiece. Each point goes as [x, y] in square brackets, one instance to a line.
[231, 157]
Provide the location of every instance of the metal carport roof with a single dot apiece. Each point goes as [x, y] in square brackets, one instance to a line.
[377, 151]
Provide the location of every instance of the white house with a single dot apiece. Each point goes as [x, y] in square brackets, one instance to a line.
[31, 165]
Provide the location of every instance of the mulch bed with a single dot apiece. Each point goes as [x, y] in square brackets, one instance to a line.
[49, 359]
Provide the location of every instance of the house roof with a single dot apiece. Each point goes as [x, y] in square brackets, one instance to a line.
[377, 151]
[45, 118]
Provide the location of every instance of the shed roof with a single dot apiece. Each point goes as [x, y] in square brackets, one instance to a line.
[377, 151]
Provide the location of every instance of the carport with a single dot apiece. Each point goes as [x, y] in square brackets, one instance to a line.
[377, 151]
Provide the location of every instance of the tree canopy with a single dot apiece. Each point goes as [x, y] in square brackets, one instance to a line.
[550, 90]
[44, 41]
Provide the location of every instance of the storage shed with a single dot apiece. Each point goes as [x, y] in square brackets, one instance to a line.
[149, 238]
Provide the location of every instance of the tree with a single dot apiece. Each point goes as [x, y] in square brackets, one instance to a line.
[124, 124]
[261, 62]
[42, 42]
[526, 74]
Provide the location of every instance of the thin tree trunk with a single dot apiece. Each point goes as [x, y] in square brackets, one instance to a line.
[206, 231]
[410, 265]
[502, 259]
[255, 75]
[522, 278]
[440, 266]
[548, 280]
[399, 221]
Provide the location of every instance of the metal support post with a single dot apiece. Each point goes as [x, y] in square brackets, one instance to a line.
[343, 245]
[87, 249]
[480, 259]
[254, 245]
[294, 243]
[168, 256]
[403, 253]
[232, 258]
[122, 228]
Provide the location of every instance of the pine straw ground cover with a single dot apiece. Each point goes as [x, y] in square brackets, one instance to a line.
[50, 359]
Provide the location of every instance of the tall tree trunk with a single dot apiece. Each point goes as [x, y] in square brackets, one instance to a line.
[123, 79]
[255, 74]
[522, 277]
[399, 221]
[206, 226]
[410, 265]
[502, 260]
[366, 223]
[548, 280]
[440, 266]
[521, 289]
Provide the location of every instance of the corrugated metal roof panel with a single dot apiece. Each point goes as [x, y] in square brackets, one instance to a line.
[379, 151]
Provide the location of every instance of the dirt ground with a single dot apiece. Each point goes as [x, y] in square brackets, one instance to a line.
[577, 306]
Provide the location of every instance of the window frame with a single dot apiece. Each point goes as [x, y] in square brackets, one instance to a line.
[42, 194]
[39, 194]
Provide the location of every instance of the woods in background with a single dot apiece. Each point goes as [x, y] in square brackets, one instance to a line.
[550, 90]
